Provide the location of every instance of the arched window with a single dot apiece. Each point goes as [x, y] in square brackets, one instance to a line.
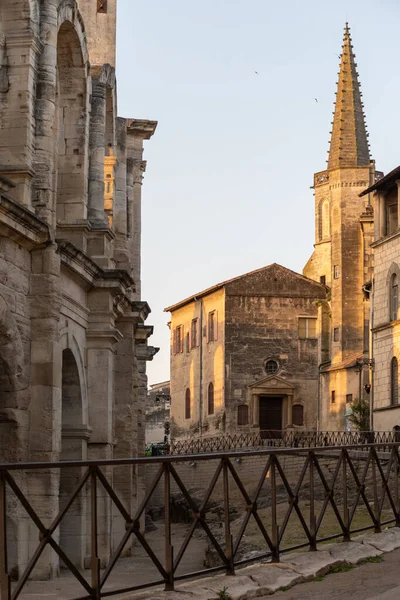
[243, 415]
[394, 382]
[187, 404]
[324, 220]
[394, 298]
[298, 414]
[211, 399]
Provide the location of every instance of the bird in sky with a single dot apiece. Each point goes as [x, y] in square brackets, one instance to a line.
[256, 73]
[316, 100]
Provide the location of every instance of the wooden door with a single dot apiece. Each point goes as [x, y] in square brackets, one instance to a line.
[271, 416]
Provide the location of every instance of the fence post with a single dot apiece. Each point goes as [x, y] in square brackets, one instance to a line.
[374, 458]
[169, 555]
[5, 579]
[228, 535]
[313, 522]
[346, 516]
[95, 561]
[275, 529]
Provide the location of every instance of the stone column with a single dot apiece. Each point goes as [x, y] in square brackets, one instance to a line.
[96, 213]
[139, 167]
[45, 401]
[102, 338]
[121, 253]
[290, 410]
[255, 400]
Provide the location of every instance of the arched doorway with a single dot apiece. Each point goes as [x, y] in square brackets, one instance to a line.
[73, 447]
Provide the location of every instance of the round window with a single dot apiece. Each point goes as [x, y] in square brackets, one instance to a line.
[271, 367]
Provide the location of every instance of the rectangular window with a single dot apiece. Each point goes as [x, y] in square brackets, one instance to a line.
[102, 6]
[178, 339]
[336, 272]
[212, 326]
[307, 328]
[187, 343]
[193, 333]
[349, 398]
[391, 218]
[336, 334]
[322, 279]
[333, 398]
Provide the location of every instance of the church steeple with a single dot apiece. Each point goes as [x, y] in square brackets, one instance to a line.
[349, 144]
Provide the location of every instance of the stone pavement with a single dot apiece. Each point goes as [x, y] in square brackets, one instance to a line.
[261, 580]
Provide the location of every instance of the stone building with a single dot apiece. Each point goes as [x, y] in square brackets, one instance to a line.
[158, 412]
[386, 323]
[342, 257]
[244, 355]
[73, 338]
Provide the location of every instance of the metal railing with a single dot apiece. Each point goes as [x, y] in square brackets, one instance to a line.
[280, 439]
[333, 478]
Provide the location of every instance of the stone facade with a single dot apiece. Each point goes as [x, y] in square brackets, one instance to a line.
[244, 355]
[386, 322]
[73, 338]
[342, 257]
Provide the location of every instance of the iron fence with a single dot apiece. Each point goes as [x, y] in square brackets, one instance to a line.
[280, 439]
[331, 481]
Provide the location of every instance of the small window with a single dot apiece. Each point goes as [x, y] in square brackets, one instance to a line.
[187, 343]
[307, 328]
[298, 414]
[394, 298]
[211, 399]
[102, 6]
[336, 334]
[271, 367]
[333, 397]
[349, 398]
[322, 279]
[336, 272]
[212, 326]
[391, 218]
[187, 404]
[243, 415]
[178, 339]
[193, 330]
[394, 382]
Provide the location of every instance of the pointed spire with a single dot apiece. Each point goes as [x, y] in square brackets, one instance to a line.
[349, 143]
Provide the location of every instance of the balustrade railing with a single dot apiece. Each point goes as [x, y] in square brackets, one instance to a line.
[293, 497]
[280, 439]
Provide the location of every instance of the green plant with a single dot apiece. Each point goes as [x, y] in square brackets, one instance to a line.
[285, 588]
[341, 568]
[371, 559]
[318, 578]
[360, 415]
[223, 594]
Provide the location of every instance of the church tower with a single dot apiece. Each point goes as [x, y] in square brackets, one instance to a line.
[342, 257]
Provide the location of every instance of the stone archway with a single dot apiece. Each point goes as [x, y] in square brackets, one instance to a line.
[73, 447]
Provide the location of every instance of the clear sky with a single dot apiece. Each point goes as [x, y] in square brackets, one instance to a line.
[227, 187]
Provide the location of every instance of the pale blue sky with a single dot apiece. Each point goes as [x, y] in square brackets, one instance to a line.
[227, 187]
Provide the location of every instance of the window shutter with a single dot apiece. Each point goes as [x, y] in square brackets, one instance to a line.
[198, 332]
[215, 325]
[174, 340]
[182, 339]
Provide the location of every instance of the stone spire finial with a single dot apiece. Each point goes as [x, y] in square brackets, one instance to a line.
[349, 141]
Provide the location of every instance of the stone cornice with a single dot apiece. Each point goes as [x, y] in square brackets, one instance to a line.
[141, 309]
[22, 225]
[143, 332]
[144, 352]
[81, 432]
[141, 128]
[387, 238]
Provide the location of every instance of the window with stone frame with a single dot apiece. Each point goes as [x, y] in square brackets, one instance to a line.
[391, 212]
[271, 367]
[333, 397]
[187, 404]
[211, 398]
[394, 298]
[336, 272]
[349, 398]
[178, 339]
[324, 219]
[194, 342]
[102, 6]
[307, 328]
[336, 334]
[242, 415]
[298, 414]
[212, 326]
[394, 382]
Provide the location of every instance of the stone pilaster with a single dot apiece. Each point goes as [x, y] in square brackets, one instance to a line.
[97, 153]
